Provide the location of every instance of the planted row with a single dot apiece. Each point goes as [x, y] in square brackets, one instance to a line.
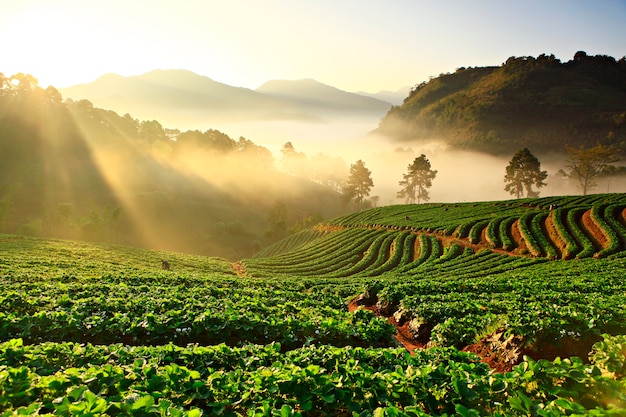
[313, 381]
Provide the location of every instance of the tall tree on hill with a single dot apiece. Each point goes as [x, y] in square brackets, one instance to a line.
[524, 171]
[586, 164]
[417, 180]
[359, 184]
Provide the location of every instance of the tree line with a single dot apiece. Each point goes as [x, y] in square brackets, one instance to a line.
[523, 175]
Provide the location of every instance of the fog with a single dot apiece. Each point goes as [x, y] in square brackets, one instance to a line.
[462, 176]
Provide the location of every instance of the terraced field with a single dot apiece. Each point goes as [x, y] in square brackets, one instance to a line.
[552, 228]
[510, 308]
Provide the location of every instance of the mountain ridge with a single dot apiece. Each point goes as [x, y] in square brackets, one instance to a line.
[164, 94]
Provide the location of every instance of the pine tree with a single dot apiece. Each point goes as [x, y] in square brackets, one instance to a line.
[417, 180]
[524, 171]
[359, 184]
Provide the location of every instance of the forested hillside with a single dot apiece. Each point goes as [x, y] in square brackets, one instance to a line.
[526, 102]
[69, 169]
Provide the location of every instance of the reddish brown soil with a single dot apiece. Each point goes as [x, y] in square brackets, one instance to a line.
[500, 360]
[596, 233]
[239, 268]
[489, 356]
[403, 334]
[520, 243]
[553, 234]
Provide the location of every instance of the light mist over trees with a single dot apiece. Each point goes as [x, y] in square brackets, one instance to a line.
[72, 170]
[69, 169]
[359, 184]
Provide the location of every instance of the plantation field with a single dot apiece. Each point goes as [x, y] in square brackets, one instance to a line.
[497, 308]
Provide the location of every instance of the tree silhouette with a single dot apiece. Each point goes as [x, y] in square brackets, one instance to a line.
[417, 181]
[524, 171]
[586, 164]
[359, 184]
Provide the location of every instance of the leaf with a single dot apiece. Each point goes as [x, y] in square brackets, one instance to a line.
[466, 412]
[329, 398]
[142, 402]
[195, 412]
[286, 411]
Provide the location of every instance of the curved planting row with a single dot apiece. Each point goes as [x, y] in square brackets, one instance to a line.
[566, 228]
[291, 243]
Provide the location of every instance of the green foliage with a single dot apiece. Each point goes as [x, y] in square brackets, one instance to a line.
[103, 330]
[417, 180]
[538, 103]
[359, 184]
[524, 172]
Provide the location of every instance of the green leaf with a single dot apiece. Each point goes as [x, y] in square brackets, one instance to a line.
[142, 402]
[194, 412]
[329, 398]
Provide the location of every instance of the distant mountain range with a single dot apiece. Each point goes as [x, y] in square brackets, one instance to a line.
[539, 103]
[180, 96]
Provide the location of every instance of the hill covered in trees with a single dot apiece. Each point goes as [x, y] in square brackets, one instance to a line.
[69, 169]
[526, 102]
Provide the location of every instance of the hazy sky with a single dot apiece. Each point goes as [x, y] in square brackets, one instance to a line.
[355, 45]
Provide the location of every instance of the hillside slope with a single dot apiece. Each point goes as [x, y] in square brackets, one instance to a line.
[69, 169]
[539, 103]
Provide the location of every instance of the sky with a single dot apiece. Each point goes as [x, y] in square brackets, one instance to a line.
[354, 45]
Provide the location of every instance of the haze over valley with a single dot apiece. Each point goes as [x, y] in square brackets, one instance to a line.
[182, 125]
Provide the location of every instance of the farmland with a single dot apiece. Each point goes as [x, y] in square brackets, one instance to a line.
[501, 308]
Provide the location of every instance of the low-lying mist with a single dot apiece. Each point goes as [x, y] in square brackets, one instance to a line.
[462, 176]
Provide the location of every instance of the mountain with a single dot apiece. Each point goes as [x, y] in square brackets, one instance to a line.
[164, 94]
[182, 97]
[539, 103]
[394, 97]
[315, 96]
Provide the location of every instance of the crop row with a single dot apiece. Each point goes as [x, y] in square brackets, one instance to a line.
[290, 243]
[541, 302]
[359, 247]
[446, 218]
[108, 312]
[70, 379]
[368, 251]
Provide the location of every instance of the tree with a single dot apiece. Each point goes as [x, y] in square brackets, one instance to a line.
[359, 183]
[417, 180]
[277, 218]
[524, 171]
[294, 162]
[586, 164]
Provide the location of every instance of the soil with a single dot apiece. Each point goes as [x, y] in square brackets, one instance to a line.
[403, 335]
[520, 243]
[239, 268]
[596, 233]
[554, 236]
[498, 351]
